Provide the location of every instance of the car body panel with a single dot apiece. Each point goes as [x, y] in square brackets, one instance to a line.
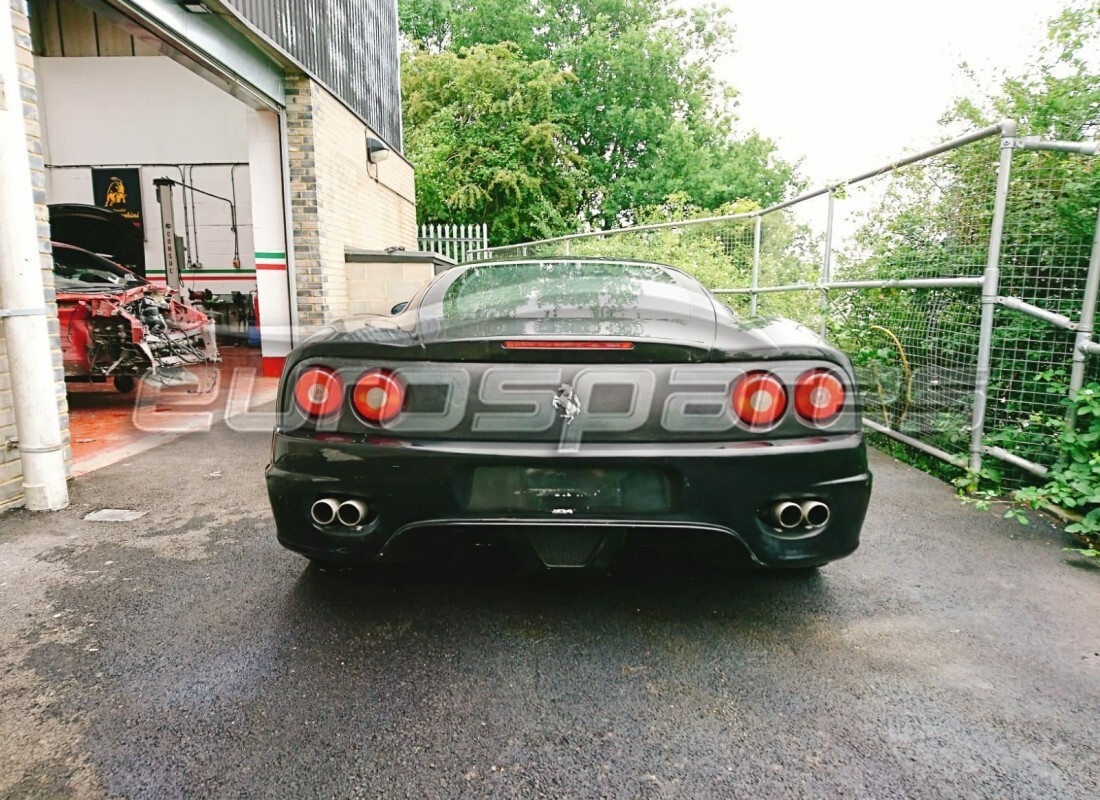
[418, 487]
[99, 230]
[115, 324]
[567, 414]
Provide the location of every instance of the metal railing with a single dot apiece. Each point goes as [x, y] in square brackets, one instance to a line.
[955, 287]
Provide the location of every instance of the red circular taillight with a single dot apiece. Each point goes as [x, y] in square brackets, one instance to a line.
[319, 392]
[759, 399]
[818, 396]
[378, 396]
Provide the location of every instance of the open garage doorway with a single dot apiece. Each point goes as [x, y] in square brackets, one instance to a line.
[134, 122]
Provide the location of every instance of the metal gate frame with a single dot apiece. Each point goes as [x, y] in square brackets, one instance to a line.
[988, 284]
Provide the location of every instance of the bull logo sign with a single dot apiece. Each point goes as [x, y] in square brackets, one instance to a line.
[116, 194]
[119, 189]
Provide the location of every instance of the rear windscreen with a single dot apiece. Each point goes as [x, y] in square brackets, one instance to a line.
[573, 288]
[79, 269]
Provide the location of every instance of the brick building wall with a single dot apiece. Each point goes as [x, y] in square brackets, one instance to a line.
[338, 200]
[11, 475]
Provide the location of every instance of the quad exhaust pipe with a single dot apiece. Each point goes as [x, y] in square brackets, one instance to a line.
[814, 513]
[324, 511]
[329, 511]
[351, 513]
[788, 514]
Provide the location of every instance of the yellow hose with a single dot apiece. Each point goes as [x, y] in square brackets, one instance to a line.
[908, 374]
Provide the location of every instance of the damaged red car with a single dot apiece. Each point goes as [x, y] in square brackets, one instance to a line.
[116, 325]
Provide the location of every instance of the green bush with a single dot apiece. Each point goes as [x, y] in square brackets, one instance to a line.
[1073, 483]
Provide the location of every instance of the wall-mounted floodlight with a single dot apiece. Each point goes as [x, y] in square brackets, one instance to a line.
[377, 150]
[194, 6]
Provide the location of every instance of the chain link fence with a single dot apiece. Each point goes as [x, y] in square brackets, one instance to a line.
[961, 282]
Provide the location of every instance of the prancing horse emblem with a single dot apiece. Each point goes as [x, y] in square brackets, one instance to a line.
[567, 404]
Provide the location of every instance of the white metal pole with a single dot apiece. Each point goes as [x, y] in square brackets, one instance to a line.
[827, 265]
[172, 275]
[22, 299]
[756, 225]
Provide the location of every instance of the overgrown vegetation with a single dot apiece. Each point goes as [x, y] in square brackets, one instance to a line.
[935, 221]
[1071, 488]
[1074, 481]
[617, 96]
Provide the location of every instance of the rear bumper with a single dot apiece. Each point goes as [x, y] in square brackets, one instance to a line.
[417, 494]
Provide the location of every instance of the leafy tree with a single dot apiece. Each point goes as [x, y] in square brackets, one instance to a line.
[486, 136]
[643, 113]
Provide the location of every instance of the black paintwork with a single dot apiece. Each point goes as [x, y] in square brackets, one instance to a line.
[99, 230]
[675, 321]
[414, 482]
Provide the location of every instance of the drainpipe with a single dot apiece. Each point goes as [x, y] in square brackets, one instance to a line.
[22, 299]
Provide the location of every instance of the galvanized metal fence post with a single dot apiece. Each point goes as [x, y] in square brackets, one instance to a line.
[827, 262]
[991, 283]
[970, 452]
[1085, 325]
[755, 262]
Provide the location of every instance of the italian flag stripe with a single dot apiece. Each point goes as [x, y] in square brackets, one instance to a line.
[270, 261]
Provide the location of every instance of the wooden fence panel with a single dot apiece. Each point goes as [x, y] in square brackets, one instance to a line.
[457, 242]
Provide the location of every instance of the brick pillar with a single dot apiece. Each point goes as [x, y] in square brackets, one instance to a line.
[305, 204]
[337, 200]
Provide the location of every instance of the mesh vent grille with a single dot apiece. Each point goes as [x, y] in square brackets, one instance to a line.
[565, 548]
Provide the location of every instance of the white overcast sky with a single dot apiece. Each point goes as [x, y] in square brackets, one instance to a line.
[847, 85]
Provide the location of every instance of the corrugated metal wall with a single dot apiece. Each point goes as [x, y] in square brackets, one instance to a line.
[350, 45]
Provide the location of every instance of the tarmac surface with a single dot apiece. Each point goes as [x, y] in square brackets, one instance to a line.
[185, 654]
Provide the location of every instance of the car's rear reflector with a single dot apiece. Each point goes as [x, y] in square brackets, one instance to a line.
[818, 396]
[319, 392]
[518, 344]
[378, 396]
[759, 399]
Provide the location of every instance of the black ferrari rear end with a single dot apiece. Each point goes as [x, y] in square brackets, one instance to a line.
[567, 409]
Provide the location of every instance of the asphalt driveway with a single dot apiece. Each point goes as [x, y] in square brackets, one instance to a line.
[186, 655]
